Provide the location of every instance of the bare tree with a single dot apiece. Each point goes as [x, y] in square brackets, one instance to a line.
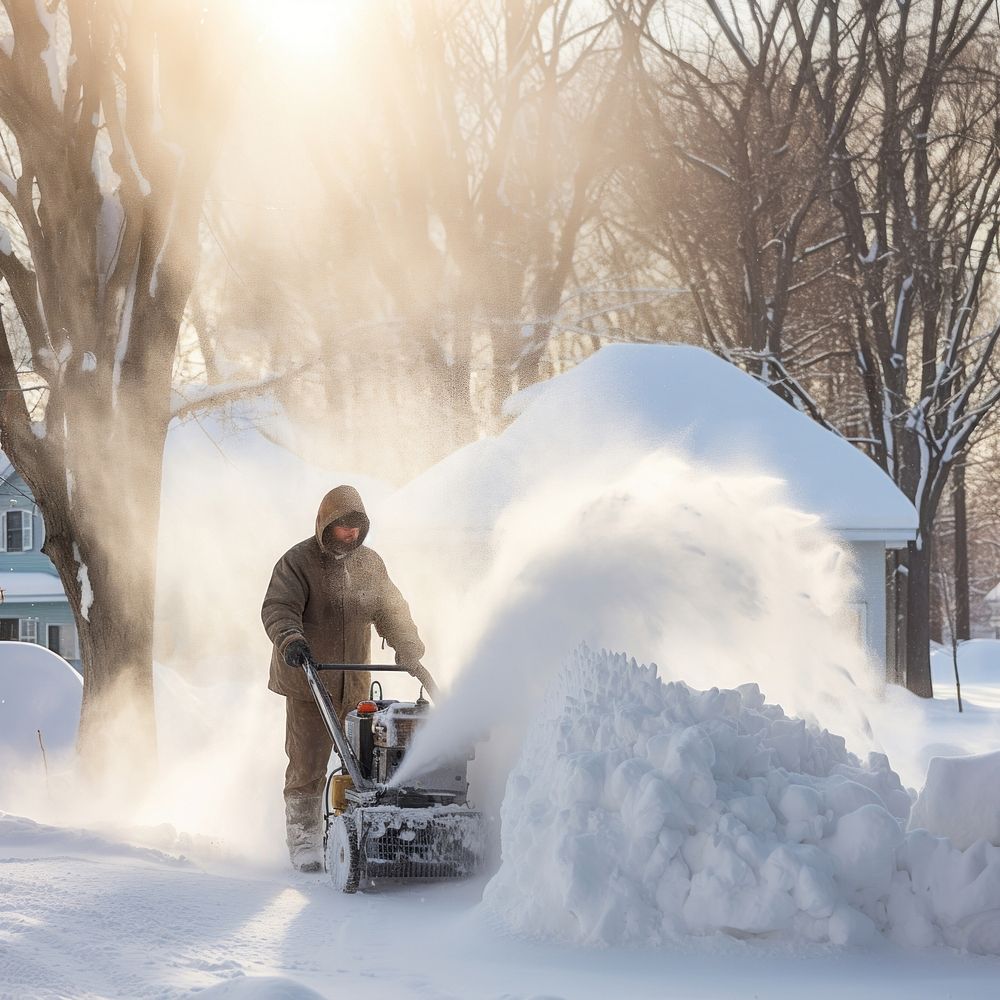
[469, 181]
[884, 228]
[735, 164]
[109, 115]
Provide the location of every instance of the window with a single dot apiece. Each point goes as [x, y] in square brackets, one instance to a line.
[55, 639]
[16, 533]
[19, 629]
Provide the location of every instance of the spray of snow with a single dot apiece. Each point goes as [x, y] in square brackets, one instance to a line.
[640, 811]
[713, 576]
[220, 731]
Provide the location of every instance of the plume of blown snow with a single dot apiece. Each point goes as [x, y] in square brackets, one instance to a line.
[711, 575]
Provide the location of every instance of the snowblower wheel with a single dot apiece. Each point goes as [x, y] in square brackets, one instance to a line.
[342, 861]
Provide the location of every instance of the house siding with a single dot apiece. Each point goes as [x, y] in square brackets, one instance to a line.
[15, 495]
[868, 559]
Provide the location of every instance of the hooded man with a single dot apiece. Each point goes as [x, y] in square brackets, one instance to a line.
[325, 594]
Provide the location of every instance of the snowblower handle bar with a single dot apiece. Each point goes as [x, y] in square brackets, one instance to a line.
[421, 673]
[394, 667]
[333, 726]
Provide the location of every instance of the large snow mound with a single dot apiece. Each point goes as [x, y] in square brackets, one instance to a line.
[641, 810]
[961, 799]
[38, 691]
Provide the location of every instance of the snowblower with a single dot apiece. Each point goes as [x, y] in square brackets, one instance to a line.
[374, 829]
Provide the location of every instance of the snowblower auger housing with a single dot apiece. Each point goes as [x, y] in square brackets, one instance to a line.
[425, 829]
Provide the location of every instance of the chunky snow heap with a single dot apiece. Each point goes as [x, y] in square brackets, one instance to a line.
[961, 799]
[640, 811]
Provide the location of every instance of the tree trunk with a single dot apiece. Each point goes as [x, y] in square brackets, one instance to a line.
[918, 606]
[963, 629]
[101, 534]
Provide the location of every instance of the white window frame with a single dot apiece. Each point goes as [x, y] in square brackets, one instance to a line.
[27, 630]
[27, 530]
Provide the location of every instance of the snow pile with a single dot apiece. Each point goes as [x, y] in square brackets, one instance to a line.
[642, 810]
[39, 691]
[961, 799]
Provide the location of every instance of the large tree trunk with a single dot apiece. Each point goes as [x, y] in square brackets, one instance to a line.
[113, 173]
[918, 608]
[99, 492]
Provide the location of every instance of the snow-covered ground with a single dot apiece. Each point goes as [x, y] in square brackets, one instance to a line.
[146, 912]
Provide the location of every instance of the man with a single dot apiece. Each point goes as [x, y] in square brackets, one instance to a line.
[324, 596]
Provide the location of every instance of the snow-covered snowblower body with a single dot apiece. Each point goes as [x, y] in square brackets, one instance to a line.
[376, 830]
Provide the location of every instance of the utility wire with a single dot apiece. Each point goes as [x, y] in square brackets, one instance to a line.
[17, 489]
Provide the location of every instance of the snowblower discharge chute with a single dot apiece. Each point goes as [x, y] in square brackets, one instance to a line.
[374, 830]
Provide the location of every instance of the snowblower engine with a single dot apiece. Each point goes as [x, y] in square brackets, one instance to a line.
[380, 733]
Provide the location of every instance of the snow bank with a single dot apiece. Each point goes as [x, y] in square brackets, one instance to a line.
[258, 988]
[38, 691]
[961, 799]
[978, 663]
[24, 838]
[642, 810]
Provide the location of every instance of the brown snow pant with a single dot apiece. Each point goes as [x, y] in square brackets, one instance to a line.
[308, 746]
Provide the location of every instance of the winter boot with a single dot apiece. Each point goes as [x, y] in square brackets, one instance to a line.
[303, 833]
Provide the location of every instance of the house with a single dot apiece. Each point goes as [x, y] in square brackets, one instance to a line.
[650, 396]
[33, 605]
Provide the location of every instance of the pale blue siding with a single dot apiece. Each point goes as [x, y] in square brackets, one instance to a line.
[15, 495]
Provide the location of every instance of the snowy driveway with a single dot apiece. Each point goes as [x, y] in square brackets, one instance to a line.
[85, 917]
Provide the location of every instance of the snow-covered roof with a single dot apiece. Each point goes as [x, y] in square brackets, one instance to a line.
[19, 587]
[649, 396]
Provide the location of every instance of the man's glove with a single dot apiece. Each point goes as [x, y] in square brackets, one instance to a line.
[297, 653]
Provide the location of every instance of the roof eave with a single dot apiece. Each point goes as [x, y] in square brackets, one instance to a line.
[894, 538]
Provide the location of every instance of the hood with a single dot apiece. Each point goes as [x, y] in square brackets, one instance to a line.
[337, 503]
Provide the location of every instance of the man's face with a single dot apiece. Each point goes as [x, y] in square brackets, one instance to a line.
[343, 535]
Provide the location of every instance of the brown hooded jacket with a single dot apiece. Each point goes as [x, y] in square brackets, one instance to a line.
[331, 600]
